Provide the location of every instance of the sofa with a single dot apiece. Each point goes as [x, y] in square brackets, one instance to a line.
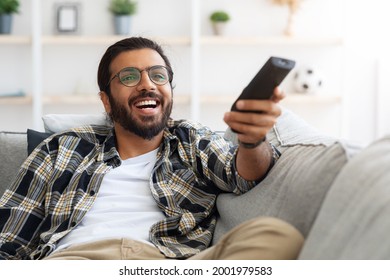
[336, 194]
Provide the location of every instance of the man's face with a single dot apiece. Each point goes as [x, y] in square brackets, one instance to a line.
[143, 109]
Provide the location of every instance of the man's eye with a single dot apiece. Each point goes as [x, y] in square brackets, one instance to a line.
[129, 78]
[159, 77]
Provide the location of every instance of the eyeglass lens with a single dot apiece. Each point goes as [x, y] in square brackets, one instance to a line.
[132, 76]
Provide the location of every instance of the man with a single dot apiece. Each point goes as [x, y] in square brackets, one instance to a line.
[146, 187]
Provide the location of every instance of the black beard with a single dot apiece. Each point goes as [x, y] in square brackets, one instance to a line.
[149, 126]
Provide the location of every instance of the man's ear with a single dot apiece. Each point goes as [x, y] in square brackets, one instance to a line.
[106, 101]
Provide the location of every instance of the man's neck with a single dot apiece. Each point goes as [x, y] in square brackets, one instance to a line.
[131, 145]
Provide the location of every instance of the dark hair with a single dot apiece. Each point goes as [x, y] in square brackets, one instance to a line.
[128, 44]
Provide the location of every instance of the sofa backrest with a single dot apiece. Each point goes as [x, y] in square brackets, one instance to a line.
[353, 223]
[296, 186]
[14, 145]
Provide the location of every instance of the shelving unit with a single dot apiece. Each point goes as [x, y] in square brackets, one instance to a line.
[195, 42]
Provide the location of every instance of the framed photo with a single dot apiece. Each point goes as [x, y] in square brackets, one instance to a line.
[67, 15]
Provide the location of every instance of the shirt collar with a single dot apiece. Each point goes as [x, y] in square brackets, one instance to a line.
[110, 153]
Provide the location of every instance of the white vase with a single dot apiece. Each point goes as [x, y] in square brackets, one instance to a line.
[122, 24]
[219, 28]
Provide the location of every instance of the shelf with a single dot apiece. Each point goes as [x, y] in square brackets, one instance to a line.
[93, 99]
[179, 40]
[71, 99]
[19, 100]
[105, 40]
[282, 40]
[74, 100]
[14, 40]
[291, 98]
[183, 99]
[319, 98]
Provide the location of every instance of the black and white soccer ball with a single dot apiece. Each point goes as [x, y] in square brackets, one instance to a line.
[307, 80]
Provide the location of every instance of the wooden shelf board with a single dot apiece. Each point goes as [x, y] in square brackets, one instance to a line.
[94, 99]
[300, 98]
[282, 40]
[17, 100]
[104, 40]
[15, 40]
[181, 40]
[184, 99]
[291, 98]
[71, 99]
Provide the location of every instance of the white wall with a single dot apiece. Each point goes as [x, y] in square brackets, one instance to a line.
[71, 68]
[367, 44]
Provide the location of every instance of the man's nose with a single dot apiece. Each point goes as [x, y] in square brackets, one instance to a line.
[145, 83]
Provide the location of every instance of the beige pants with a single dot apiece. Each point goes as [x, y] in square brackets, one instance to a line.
[257, 239]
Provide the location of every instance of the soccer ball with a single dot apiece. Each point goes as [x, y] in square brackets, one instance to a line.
[307, 80]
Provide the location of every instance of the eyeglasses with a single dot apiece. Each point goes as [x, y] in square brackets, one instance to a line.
[131, 76]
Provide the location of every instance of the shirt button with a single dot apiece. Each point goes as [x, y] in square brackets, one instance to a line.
[92, 193]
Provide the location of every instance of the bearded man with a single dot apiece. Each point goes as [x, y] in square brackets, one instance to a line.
[144, 187]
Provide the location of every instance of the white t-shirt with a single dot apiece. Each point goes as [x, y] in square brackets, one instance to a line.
[124, 207]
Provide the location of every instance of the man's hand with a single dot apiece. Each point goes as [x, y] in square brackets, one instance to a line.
[253, 127]
[253, 161]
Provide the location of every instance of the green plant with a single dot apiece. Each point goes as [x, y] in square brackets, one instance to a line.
[122, 7]
[9, 6]
[219, 16]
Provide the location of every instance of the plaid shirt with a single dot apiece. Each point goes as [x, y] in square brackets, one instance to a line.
[59, 182]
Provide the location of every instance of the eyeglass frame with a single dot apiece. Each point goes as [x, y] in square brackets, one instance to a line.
[169, 71]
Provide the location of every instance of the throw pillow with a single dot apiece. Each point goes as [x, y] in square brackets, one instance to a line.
[54, 123]
[34, 138]
[353, 222]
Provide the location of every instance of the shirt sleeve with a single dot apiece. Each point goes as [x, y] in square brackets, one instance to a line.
[215, 160]
[22, 206]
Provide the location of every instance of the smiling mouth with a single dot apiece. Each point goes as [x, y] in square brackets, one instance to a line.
[147, 104]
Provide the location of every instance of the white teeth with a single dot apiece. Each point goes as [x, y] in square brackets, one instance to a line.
[146, 103]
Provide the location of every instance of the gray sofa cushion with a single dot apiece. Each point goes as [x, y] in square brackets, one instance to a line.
[353, 222]
[296, 186]
[13, 151]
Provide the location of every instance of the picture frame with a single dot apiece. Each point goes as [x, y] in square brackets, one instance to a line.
[67, 18]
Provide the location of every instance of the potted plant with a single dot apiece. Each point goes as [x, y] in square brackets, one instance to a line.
[122, 11]
[7, 9]
[218, 20]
